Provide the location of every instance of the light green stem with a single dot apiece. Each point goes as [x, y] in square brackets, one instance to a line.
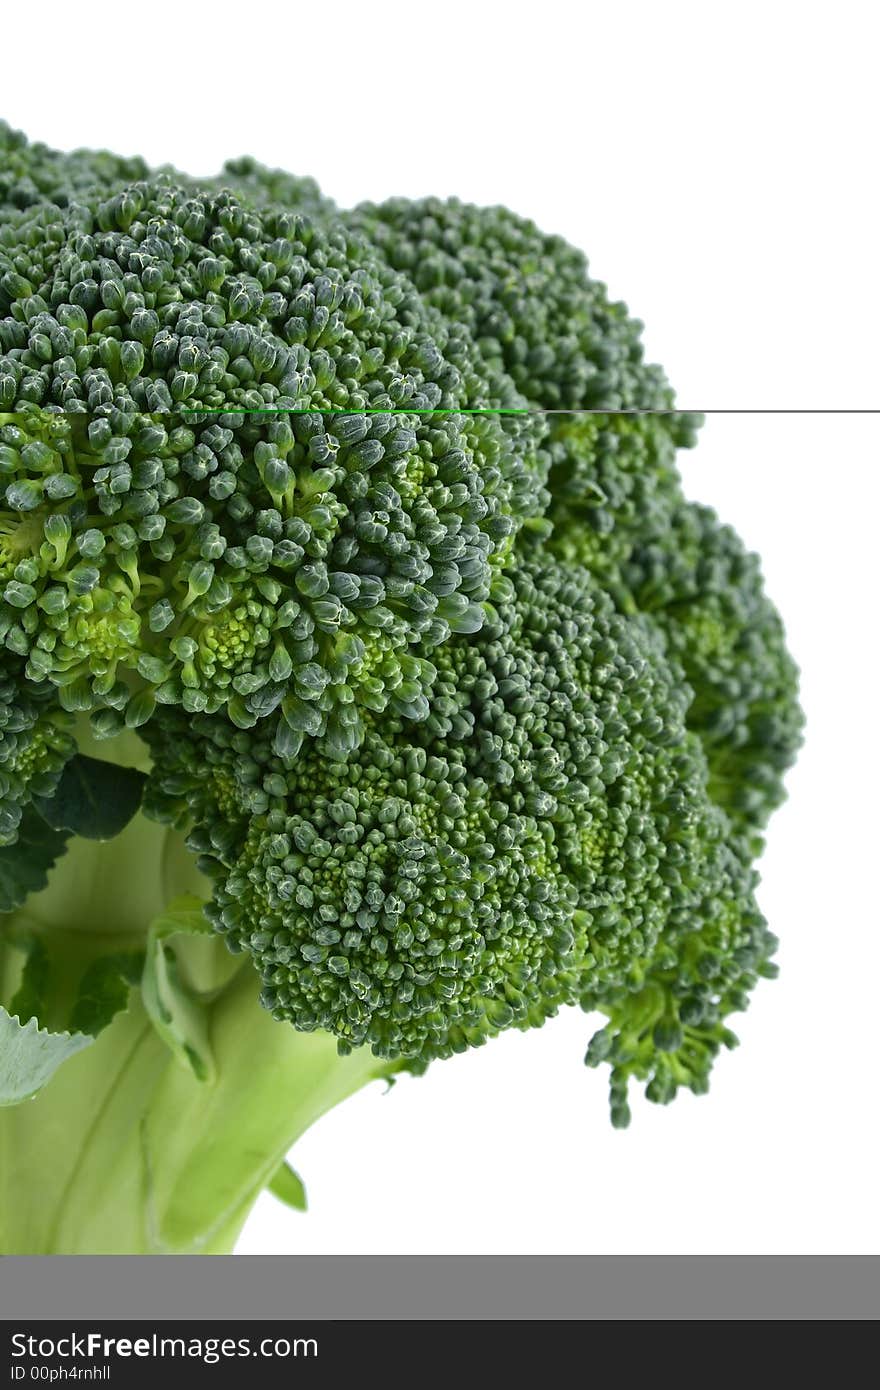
[126, 1151]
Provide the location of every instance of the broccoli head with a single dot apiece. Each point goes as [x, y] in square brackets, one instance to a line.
[368, 685]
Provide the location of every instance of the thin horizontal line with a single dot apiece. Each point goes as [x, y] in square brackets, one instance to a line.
[492, 410]
[363, 410]
[726, 410]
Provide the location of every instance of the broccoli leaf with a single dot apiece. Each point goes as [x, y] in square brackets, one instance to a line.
[178, 1014]
[93, 798]
[103, 991]
[24, 866]
[289, 1188]
[30, 1055]
[29, 999]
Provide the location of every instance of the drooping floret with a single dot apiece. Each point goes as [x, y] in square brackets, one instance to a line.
[667, 1018]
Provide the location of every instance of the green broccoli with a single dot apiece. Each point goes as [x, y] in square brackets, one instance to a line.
[615, 496]
[310, 551]
[34, 173]
[367, 684]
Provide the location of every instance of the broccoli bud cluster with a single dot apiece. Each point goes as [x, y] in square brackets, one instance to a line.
[271, 477]
[543, 837]
[35, 744]
[527, 299]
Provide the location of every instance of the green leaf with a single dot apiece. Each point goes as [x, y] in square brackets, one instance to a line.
[178, 1014]
[184, 915]
[93, 798]
[24, 866]
[288, 1187]
[103, 991]
[29, 999]
[101, 994]
[30, 1055]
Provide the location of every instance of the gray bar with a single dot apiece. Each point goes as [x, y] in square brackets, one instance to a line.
[601, 1287]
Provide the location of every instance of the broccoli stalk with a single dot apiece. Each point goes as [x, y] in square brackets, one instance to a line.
[100, 1162]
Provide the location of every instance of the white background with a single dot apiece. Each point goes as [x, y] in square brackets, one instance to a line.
[718, 163]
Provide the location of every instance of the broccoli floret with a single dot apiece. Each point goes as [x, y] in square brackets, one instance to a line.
[526, 297]
[667, 1018]
[613, 481]
[262, 185]
[531, 843]
[322, 516]
[617, 508]
[349, 593]
[34, 173]
[705, 592]
[615, 494]
[35, 743]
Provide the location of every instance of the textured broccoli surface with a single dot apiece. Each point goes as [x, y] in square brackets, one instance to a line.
[618, 510]
[616, 501]
[526, 297]
[35, 743]
[329, 506]
[33, 173]
[368, 686]
[544, 837]
[469, 869]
